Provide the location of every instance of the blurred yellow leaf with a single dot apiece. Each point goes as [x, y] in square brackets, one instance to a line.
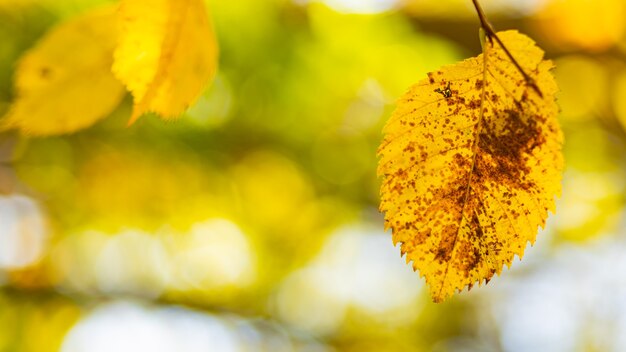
[619, 103]
[167, 54]
[582, 24]
[65, 83]
[471, 161]
[577, 104]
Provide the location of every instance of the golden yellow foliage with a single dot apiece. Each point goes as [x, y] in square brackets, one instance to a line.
[65, 83]
[167, 54]
[581, 24]
[472, 161]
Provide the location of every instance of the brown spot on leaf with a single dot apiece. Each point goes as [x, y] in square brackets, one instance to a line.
[431, 79]
[45, 72]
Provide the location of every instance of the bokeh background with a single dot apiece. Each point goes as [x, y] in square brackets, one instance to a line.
[251, 223]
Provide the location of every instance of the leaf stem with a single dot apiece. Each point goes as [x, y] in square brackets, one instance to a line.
[491, 35]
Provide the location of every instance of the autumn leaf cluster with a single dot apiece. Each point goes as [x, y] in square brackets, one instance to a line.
[163, 52]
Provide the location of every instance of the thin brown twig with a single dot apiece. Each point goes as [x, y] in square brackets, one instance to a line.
[491, 34]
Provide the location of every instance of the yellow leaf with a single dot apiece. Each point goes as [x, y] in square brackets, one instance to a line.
[472, 161]
[167, 54]
[65, 83]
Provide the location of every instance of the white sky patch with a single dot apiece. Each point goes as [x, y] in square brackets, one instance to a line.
[23, 232]
[133, 262]
[214, 254]
[357, 6]
[357, 267]
[573, 300]
[127, 326]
